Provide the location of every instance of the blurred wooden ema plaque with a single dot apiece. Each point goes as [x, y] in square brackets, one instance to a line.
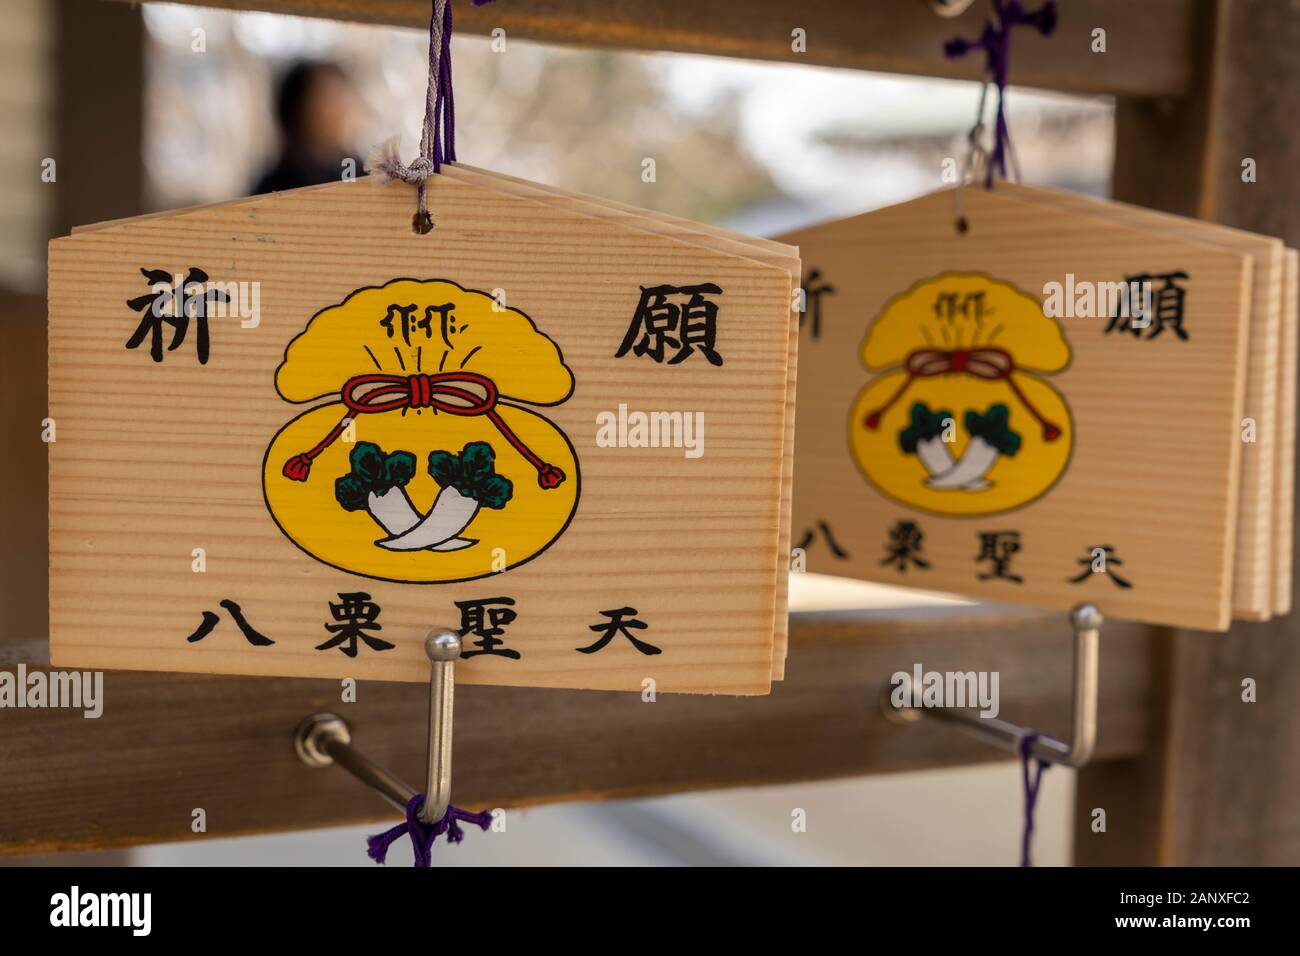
[293, 436]
[1043, 409]
[1263, 467]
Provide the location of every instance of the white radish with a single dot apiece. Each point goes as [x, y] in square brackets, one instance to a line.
[967, 473]
[440, 529]
[392, 510]
[453, 544]
[934, 455]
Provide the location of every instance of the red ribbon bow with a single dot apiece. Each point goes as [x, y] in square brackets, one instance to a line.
[987, 363]
[442, 391]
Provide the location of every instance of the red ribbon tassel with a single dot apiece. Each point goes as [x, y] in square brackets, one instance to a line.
[444, 391]
[986, 363]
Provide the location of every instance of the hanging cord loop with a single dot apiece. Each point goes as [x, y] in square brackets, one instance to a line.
[438, 137]
[995, 41]
[1032, 783]
[424, 834]
[976, 161]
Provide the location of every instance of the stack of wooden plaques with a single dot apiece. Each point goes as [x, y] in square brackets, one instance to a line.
[294, 436]
[1030, 396]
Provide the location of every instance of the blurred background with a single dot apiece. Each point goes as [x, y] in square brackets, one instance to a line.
[760, 147]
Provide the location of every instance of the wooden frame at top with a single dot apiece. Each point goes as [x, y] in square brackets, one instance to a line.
[1149, 45]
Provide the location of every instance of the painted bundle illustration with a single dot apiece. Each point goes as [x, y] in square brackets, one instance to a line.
[423, 384]
[976, 346]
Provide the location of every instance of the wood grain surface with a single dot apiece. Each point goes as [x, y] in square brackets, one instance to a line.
[691, 544]
[729, 241]
[1265, 467]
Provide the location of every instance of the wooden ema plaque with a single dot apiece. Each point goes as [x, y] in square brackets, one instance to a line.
[975, 417]
[555, 432]
[1264, 466]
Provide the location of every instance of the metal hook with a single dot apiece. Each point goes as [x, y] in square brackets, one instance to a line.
[325, 739]
[1086, 622]
[443, 647]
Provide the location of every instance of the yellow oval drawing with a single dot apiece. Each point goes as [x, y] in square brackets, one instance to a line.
[422, 466]
[962, 421]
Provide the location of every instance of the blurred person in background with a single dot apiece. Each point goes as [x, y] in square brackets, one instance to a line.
[316, 109]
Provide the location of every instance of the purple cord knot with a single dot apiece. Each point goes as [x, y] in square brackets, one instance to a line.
[424, 834]
[995, 41]
[438, 140]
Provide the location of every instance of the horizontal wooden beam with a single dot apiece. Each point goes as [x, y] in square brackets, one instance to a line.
[1148, 44]
[168, 744]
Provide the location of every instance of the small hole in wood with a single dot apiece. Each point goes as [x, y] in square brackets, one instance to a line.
[962, 226]
[422, 223]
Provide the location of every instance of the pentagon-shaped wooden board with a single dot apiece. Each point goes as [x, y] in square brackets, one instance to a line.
[955, 436]
[207, 517]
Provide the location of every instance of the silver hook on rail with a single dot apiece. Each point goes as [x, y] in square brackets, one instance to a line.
[323, 740]
[1086, 622]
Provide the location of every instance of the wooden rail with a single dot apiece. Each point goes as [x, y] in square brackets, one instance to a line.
[1148, 43]
[167, 744]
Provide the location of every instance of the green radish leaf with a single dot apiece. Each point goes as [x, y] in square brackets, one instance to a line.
[477, 459]
[367, 461]
[399, 468]
[351, 492]
[444, 467]
[495, 492]
[994, 426]
[925, 424]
